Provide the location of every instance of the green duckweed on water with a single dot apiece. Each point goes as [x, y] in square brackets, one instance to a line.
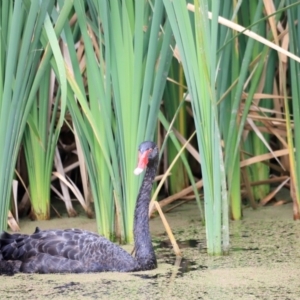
[263, 263]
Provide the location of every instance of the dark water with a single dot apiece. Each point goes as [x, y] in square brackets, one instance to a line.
[262, 264]
[182, 264]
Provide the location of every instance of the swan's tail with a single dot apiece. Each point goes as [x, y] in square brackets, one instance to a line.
[8, 267]
[9, 263]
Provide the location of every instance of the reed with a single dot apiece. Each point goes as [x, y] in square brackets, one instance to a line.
[25, 26]
[196, 40]
[127, 54]
[173, 96]
[293, 135]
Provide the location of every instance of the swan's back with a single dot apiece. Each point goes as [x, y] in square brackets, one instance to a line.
[61, 251]
[75, 250]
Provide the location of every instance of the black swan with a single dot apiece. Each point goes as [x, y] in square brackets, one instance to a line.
[77, 251]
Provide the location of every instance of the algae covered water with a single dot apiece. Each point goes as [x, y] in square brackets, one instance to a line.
[263, 263]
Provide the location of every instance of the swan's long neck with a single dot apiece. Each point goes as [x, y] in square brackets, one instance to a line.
[144, 250]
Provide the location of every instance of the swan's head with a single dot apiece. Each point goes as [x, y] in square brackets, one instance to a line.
[148, 151]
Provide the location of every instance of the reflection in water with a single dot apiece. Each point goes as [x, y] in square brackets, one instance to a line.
[186, 265]
[191, 243]
[182, 265]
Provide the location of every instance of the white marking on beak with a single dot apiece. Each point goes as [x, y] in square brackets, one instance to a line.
[138, 171]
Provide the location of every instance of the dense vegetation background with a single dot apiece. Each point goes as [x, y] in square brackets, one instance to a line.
[82, 83]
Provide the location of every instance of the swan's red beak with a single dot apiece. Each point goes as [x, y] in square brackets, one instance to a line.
[143, 162]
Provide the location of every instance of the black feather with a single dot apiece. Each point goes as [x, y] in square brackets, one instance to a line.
[75, 250]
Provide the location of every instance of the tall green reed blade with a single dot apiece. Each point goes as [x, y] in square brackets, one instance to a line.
[229, 64]
[124, 99]
[294, 35]
[236, 123]
[19, 62]
[173, 95]
[96, 140]
[253, 144]
[257, 147]
[264, 169]
[197, 43]
[170, 133]
[39, 145]
[35, 147]
[42, 132]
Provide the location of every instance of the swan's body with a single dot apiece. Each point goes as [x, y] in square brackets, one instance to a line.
[75, 250]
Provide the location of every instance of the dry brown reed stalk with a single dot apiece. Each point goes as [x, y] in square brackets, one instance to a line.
[168, 230]
[174, 197]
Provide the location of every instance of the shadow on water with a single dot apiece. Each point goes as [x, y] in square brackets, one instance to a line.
[182, 244]
[185, 265]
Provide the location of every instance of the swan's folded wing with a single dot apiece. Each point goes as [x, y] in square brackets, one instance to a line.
[12, 245]
[69, 243]
[66, 243]
[61, 251]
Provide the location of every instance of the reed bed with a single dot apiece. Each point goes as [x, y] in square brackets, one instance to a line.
[82, 83]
